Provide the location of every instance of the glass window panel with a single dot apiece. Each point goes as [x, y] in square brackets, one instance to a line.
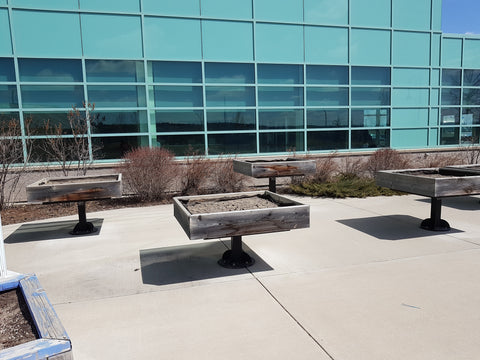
[450, 96]
[451, 77]
[450, 116]
[451, 52]
[325, 11]
[370, 96]
[410, 77]
[471, 53]
[229, 73]
[328, 75]
[327, 118]
[219, 144]
[410, 97]
[279, 43]
[435, 77]
[46, 4]
[117, 96]
[176, 72]
[52, 96]
[370, 138]
[362, 14]
[362, 75]
[230, 120]
[470, 97]
[227, 40]
[280, 96]
[39, 149]
[114, 71]
[178, 7]
[469, 135]
[182, 145]
[449, 136]
[471, 116]
[49, 70]
[280, 119]
[7, 116]
[8, 96]
[290, 10]
[116, 147]
[433, 119]
[471, 77]
[5, 38]
[330, 96]
[370, 117]
[172, 38]
[119, 122]
[281, 142]
[180, 120]
[56, 34]
[434, 95]
[409, 118]
[178, 96]
[327, 140]
[411, 48]
[334, 45]
[39, 121]
[227, 9]
[409, 138]
[279, 74]
[411, 14]
[108, 5]
[111, 36]
[372, 47]
[7, 71]
[230, 96]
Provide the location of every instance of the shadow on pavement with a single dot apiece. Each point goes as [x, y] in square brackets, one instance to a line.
[49, 231]
[392, 227]
[469, 203]
[179, 264]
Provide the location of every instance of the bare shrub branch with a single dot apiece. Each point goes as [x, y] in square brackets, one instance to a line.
[386, 159]
[223, 179]
[194, 177]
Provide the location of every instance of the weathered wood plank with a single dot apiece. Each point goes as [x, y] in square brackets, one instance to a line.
[46, 320]
[42, 349]
[79, 188]
[274, 168]
[11, 283]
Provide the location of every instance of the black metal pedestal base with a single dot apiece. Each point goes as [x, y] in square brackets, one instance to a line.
[83, 227]
[435, 222]
[236, 258]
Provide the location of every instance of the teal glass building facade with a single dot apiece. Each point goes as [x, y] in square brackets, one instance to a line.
[246, 77]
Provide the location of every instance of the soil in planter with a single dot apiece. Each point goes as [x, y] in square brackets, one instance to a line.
[228, 204]
[16, 323]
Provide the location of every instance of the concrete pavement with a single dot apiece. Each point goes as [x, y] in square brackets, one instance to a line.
[363, 282]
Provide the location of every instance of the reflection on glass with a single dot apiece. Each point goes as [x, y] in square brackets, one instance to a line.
[279, 74]
[370, 138]
[117, 96]
[8, 97]
[449, 136]
[220, 144]
[280, 119]
[114, 71]
[281, 142]
[179, 120]
[175, 72]
[330, 96]
[230, 120]
[7, 71]
[450, 116]
[178, 96]
[40, 150]
[471, 116]
[224, 96]
[450, 96]
[370, 117]
[229, 73]
[327, 75]
[7, 116]
[50, 70]
[280, 96]
[182, 145]
[364, 75]
[451, 77]
[471, 77]
[470, 97]
[327, 118]
[469, 135]
[119, 122]
[52, 96]
[370, 96]
[117, 146]
[54, 120]
[327, 140]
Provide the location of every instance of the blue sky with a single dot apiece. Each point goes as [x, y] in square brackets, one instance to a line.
[461, 16]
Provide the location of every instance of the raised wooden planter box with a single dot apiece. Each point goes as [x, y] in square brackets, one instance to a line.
[78, 189]
[54, 343]
[274, 168]
[283, 215]
[435, 183]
